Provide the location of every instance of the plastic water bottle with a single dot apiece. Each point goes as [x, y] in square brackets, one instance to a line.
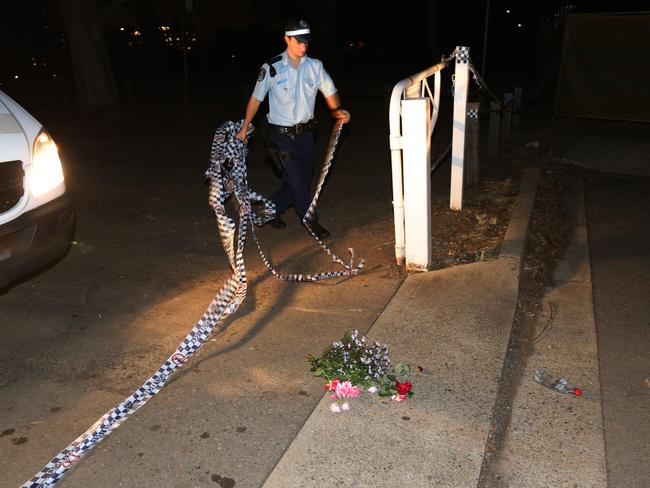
[561, 385]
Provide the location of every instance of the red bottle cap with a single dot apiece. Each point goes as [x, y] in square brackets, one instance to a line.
[577, 391]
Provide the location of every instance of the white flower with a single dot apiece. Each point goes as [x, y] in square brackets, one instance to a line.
[372, 389]
[334, 407]
[345, 406]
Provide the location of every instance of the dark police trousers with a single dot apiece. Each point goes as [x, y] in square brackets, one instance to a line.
[296, 154]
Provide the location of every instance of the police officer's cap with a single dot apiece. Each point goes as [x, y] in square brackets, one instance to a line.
[298, 29]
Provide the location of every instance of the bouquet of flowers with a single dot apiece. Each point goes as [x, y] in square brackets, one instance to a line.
[353, 364]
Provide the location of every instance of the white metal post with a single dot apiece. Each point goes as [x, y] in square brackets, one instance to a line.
[461, 79]
[398, 196]
[417, 195]
[395, 141]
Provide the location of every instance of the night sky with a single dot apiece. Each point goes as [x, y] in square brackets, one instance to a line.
[228, 41]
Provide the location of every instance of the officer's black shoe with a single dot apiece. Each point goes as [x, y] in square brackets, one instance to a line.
[277, 222]
[318, 230]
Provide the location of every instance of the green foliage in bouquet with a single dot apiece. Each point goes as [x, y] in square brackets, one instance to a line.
[396, 382]
[363, 364]
[352, 359]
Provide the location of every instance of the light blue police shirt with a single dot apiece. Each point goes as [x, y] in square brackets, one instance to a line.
[292, 92]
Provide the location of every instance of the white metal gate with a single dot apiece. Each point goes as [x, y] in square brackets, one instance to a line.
[413, 114]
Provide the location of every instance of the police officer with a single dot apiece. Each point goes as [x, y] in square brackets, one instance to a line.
[292, 81]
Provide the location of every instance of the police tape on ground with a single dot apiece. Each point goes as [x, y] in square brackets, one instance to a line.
[227, 176]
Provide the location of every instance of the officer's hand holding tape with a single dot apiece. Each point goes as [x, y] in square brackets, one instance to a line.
[340, 113]
[241, 135]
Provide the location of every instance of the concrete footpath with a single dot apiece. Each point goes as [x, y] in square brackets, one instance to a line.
[556, 440]
[455, 324]
[437, 437]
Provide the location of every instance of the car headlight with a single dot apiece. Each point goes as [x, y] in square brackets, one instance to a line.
[46, 172]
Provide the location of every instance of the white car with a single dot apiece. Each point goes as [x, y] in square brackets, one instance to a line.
[36, 215]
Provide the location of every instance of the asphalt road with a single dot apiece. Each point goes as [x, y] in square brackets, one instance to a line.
[147, 260]
[618, 222]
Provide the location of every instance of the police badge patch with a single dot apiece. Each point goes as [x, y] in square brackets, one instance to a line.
[262, 74]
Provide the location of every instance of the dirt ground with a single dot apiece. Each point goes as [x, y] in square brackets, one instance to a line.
[475, 232]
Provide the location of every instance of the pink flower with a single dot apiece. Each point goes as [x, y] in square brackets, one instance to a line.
[346, 390]
[398, 398]
[334, 407]
[345, 406]
[372, 389]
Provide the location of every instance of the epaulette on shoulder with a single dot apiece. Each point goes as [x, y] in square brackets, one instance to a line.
[270, 62]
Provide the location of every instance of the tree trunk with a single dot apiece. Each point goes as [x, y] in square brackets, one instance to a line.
[95, 85]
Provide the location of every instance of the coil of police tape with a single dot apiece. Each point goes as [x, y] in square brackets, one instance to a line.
[227, 175]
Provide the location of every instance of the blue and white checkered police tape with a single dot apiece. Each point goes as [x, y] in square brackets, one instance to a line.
[227, 175]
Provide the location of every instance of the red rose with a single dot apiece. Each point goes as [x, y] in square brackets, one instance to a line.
[331, 386]
[403, 388]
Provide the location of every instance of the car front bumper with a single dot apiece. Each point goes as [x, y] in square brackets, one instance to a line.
[35, 239]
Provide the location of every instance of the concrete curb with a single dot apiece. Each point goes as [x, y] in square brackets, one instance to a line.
[515, 239]
[455, 324]
[542, 438]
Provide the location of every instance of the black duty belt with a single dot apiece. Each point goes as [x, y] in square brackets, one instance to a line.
[292, 130]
